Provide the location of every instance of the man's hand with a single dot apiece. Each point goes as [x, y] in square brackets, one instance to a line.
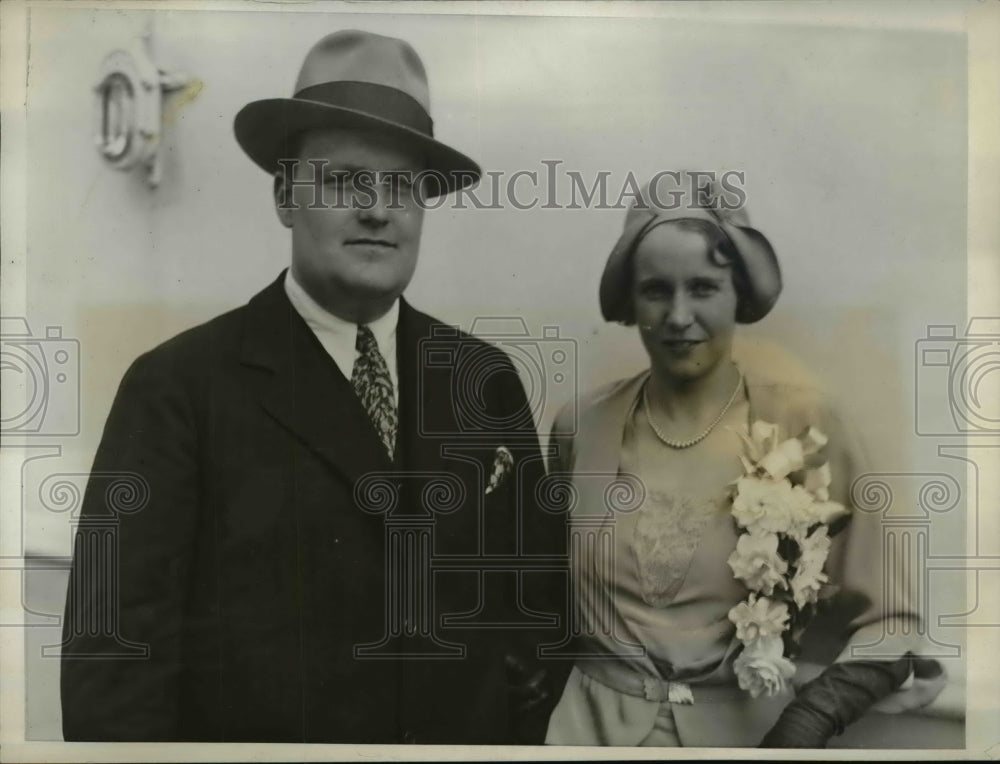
[529, 696]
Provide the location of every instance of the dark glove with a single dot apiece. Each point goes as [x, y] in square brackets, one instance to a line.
[529, 695]
[840, 695]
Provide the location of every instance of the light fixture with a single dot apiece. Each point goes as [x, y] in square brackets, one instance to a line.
[130, 92]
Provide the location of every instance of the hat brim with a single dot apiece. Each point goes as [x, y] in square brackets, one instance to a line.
[265, 130]
[757, 257]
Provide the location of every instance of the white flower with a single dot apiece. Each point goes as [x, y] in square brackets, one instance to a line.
[503, 462]
[680, 693]
[817, 481]
[827, 511]
[759, 440]
[756, 562]
[801, 504]
[787, 457]
[812, 514]
[815, 548]
[754, 496]
[809, 576]
[765, 437]
[808, 512]
[770, 506]
[812, 440]
[761, 668]
[758, 617]
[806, 584]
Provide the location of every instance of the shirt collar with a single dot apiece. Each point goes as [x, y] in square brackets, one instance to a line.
[320, 319]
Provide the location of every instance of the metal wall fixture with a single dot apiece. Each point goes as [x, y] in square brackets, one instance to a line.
[129, 108]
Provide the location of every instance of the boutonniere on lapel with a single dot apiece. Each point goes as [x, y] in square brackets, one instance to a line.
[503, 463]
[784, 513]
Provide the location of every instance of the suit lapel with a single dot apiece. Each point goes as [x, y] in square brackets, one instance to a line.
[300, 386]
[425, 401]
[599, 445]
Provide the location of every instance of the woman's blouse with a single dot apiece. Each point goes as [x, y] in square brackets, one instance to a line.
[672, 584]
[670, 587]
[651, 586]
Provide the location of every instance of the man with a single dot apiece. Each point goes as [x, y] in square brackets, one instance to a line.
[302, 457]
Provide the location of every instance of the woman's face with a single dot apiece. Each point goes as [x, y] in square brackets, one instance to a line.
[685, 304]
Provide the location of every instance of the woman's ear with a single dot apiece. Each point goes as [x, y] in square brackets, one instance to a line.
[282, 200]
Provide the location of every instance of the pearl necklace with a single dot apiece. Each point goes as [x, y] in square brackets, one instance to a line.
[704, 434]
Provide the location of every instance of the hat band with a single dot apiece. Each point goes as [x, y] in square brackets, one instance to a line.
[379, 101]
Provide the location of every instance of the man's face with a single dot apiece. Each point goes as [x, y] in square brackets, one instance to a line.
[355, 251]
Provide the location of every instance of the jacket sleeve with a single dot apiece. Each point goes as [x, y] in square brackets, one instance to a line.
[125, 602]
[874, 614]
[560, 459]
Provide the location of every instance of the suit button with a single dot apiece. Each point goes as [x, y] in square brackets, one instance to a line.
[409, 738]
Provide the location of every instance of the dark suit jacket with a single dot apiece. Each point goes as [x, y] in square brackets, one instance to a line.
[257, 559]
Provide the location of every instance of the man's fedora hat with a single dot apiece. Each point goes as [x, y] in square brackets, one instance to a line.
[679, 195]
[359, 80]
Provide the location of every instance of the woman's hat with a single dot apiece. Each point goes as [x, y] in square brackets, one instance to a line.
[359, 80]
[685, 195]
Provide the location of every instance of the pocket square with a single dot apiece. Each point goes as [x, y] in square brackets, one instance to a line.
[503, 463]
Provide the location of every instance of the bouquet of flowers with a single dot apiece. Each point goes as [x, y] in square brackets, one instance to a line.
[785, 512]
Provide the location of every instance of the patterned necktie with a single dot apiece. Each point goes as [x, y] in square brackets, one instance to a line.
[373, 385]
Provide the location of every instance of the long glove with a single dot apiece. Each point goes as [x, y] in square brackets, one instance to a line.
[840, 695]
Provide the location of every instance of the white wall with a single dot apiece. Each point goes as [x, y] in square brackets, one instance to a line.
[853, 141]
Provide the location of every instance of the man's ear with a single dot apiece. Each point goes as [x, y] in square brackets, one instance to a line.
[282, 200]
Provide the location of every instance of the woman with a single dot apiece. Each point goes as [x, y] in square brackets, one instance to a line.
[661, 660]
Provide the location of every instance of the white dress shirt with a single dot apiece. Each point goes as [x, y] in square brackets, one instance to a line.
[339, 337]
